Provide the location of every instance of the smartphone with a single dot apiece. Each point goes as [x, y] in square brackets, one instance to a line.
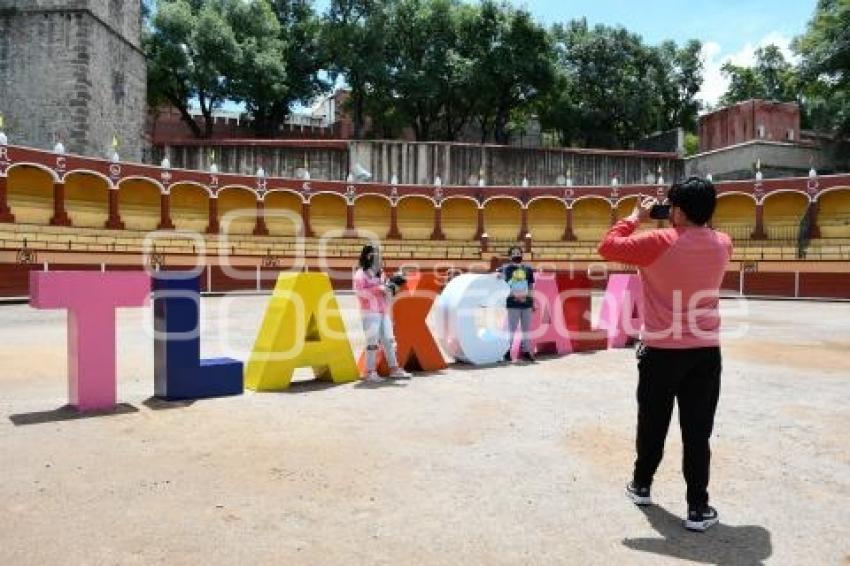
[659, 212]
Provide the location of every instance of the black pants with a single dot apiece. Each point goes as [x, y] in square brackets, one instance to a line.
[692, 377]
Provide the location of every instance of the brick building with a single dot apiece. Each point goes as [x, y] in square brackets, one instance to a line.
[763, 136]
[748, 121]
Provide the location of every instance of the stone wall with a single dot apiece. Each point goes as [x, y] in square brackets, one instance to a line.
[73, 70]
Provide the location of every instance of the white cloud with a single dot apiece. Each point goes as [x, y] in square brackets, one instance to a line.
[714, 83]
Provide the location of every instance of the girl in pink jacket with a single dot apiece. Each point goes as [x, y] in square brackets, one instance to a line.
[373, 295]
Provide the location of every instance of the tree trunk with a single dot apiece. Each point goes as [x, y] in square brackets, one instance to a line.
[181, 107]
[500, 133]
[358, 97]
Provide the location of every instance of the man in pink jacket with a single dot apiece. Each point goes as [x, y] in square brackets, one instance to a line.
[681, 269]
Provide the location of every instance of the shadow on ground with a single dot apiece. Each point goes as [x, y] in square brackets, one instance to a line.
[721, 544]
[68, 413]
[160, 404]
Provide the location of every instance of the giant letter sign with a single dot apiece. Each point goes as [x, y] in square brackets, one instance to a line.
[179, 372]
[302, 327]
[622, 309]
[91, 299]
[416, 348]
[548, 327]
[575, 292]
[458, 306]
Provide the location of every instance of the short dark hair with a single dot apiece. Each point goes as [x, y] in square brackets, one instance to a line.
[696, 197]
[512, 248]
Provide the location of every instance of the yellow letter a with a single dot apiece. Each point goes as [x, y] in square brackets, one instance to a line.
[302, 327]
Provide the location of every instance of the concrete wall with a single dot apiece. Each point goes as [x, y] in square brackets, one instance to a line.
[461, 164]
[777, 160]
[421, 162]
[73, 69]
[328, 163]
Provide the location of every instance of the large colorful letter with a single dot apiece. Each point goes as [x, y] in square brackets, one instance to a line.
[548, 327]
[91, 299]
[575, 293]
[302, 327]
[459, 306]
[179, 372]
[622, 308]
[415, 345]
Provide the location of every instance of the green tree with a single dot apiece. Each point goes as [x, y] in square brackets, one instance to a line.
[772, 77]
[352, 39]
[744, 84]
[678, 79]
[825, 66]
[259, 78]
[300, 29]
[513, 65]
[190, 50]
[608, 94]
[429, 78]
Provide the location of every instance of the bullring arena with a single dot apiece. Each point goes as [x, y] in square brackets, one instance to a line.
[470, 464]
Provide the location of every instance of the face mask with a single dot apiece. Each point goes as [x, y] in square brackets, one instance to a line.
[516, 258]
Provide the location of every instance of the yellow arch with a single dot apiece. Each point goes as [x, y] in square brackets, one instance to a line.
[416, 218]
[189, 207]
[782, 214]
[591, 218]
[834, 213]
[237, 210]
[287, 205]
[372, 214]
[139, 202]
[625, 206]
[204, 188]
[30, 194]
[735, 214]
[547, 219]
[459, 218]
[327, 213]
[502, 218]
[86, 199]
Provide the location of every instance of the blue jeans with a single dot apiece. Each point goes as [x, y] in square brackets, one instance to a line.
[522, 318]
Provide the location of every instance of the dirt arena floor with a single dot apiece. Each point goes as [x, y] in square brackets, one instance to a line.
[501, 465]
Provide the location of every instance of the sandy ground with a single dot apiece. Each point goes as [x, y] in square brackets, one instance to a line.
[500, 465]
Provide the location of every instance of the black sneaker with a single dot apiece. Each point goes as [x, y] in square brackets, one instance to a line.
[638, 495]
[529, 357]
[701, 519]
[507, 357]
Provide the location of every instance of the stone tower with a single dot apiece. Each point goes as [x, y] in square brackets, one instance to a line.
[73, 70]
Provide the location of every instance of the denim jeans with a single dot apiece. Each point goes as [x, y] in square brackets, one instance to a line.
[522, 318]
[378, 328]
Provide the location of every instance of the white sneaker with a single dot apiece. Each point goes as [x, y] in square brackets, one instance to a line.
[700, 520]
[373, 377]
[399, 373]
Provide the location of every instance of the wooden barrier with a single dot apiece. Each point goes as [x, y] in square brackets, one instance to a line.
[14, 280]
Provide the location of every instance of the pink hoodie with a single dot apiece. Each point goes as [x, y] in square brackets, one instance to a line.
[681, 270]
[370, 292]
